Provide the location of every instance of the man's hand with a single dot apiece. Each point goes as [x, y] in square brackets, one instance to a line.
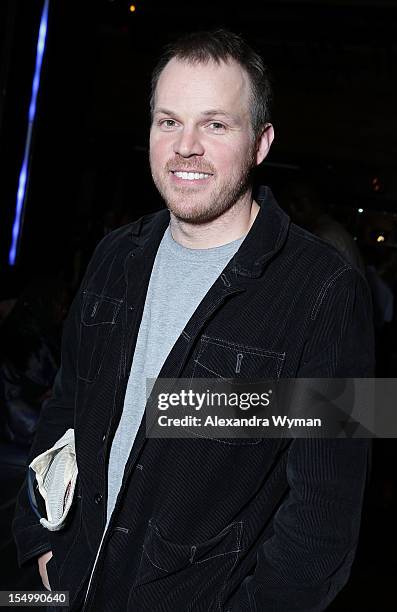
[42, 561]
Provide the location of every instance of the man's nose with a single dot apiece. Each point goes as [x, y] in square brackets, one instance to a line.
[188, 143]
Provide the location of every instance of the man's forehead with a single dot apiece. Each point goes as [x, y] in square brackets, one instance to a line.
[214, 84]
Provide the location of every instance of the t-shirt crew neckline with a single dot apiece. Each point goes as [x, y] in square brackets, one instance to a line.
[197, 255]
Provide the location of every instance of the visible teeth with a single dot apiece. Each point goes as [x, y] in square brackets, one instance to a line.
[191, 176]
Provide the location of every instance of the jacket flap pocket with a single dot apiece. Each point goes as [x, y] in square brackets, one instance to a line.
[170, 557]
[224, 359]
[226, 542]
[98, 319]
[163, 554]
[99, 309]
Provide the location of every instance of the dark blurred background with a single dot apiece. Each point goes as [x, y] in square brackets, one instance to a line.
[334, 73]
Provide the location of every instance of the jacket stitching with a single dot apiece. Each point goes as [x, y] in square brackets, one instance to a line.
[106, 298]
[245, 443]
[196, 360]
[115, 313]
[239, 530]
[152, 562]
[94, 374]
[230, 552]
[225, 343]
[324, 289]
[209, 369]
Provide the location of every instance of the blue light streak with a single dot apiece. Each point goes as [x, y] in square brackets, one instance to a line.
[24, 172]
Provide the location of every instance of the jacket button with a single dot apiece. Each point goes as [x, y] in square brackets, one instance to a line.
[98, 498]
[104, 437]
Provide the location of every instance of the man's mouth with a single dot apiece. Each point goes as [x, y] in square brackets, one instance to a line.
[190, 176]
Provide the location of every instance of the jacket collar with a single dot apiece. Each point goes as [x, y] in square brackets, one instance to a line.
[265, 238]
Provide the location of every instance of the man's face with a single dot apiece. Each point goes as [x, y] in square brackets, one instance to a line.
[202, 147]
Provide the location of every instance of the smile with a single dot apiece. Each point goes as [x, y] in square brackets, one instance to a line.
[191, 176]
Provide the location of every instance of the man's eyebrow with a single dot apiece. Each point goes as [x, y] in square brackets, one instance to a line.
[217, 111]
[208, 113]
[163, 111]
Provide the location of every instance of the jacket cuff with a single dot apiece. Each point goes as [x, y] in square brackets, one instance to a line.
[31, 542]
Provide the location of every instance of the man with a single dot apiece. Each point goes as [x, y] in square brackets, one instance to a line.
[218, 285]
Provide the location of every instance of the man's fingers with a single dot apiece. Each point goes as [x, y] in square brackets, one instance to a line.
[42, 561]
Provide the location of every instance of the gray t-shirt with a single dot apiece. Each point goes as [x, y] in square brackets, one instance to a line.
[180, 279]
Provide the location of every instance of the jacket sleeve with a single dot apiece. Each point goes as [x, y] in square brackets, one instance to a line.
[57, 415]
[307, 560]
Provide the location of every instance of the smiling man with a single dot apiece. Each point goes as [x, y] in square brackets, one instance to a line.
[203, 148]
[220, 285]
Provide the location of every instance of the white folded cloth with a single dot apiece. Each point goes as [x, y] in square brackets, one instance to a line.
[56, 475]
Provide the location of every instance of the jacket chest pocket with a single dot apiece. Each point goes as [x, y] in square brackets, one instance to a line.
[217, 358]
[99, 317]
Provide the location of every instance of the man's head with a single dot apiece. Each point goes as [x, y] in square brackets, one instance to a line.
[210, 123]
[223, 46]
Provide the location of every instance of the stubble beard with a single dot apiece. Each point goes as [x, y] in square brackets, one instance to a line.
[188, 205]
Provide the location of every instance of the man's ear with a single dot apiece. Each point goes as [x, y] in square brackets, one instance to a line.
[264, 143]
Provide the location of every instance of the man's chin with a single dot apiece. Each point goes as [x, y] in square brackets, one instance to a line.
[194, 217]
[189, 209]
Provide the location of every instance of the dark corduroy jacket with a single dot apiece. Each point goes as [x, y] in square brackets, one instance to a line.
[203, 524]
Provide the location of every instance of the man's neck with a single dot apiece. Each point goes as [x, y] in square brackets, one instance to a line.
[232, 225]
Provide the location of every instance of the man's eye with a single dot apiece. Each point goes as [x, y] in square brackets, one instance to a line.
[217, 127]
[167, 123]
